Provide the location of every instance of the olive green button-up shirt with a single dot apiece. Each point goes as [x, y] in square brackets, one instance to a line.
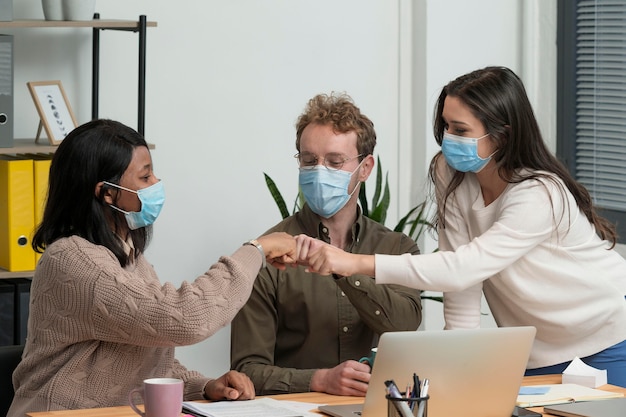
[297, 322]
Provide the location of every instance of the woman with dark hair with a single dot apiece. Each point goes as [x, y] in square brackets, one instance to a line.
[100, 320]
[513, 224]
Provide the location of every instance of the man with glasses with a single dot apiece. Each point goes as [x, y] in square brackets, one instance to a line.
[303, 332]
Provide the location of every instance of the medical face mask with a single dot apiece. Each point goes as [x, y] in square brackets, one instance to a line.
[151, 198]
[325, 190]
[461, 153]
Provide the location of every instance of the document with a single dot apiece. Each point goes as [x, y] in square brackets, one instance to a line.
[263, 407]
[564, 393]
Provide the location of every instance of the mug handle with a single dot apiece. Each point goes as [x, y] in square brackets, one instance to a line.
[132, 403]
[366, 360]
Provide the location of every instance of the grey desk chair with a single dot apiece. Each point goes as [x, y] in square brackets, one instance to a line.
[10, 356]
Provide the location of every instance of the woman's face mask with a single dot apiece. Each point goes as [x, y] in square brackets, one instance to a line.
[152, 199]
[325, 190]
[461, 153]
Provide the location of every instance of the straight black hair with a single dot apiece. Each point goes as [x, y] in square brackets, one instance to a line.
[100, 150]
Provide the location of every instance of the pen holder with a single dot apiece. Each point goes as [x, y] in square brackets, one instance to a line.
[407, 407]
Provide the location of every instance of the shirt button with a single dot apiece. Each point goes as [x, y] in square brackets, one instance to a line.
[377, 312]
[345, 329]
[324, 229]
[357, 283]
[343, 294]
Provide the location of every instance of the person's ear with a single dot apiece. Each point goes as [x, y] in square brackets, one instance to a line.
[108, 197]
[367, 165]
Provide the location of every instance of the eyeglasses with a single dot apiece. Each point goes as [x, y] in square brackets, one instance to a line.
[332, 161]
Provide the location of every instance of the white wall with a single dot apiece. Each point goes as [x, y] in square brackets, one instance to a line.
[226, 80]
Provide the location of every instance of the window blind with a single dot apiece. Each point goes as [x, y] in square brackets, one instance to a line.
[601, 101]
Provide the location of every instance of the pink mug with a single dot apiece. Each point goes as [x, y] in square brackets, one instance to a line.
[162, 397]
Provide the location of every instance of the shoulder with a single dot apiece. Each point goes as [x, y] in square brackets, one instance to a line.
[75, 252]
[381, 239]
[289, 225]
[540, 183]
[73, 244]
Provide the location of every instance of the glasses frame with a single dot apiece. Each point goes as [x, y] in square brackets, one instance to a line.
[317, 159]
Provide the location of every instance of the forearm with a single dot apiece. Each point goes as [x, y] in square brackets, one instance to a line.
[269, 379]
[383, 308]
[194, 382]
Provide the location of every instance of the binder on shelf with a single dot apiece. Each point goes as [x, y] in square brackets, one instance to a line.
[6, 85]
[7, 313]
[22, 298]
[17, 217]
[41, 171]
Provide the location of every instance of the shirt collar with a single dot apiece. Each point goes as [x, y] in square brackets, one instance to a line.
[313, 226]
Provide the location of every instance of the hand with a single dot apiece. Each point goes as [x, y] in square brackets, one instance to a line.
[232, 385]
[279, 248]
[325, 259]
[347, 378]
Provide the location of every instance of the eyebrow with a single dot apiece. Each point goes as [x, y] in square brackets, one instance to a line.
[456, 122]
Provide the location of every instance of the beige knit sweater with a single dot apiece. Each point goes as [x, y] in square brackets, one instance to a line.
[97, 330]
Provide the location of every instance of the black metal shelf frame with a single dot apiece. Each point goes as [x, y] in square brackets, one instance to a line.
[141, 29]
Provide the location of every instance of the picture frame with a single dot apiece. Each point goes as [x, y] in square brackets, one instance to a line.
[55, 113]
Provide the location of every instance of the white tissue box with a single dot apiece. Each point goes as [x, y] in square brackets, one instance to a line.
[582, 374]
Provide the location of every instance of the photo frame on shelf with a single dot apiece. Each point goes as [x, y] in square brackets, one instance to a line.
[55, 113]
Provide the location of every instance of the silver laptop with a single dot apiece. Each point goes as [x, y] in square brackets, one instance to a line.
[600, 408]
[472, 373]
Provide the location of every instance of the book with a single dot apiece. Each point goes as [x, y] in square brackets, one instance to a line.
[608, 408]
[260, 407]
[562, 394]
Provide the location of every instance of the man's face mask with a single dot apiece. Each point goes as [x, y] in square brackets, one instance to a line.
[325, 190]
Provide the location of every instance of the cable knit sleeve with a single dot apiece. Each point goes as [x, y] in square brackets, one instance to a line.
[130, 305]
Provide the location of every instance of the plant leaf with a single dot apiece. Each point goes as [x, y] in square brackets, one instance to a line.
[363, 201]
[278, 198]
[379, 180]
[379, 213]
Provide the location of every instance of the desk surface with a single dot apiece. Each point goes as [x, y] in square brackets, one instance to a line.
[311, 397]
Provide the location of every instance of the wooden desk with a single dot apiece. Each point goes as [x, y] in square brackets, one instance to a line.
[310, 397]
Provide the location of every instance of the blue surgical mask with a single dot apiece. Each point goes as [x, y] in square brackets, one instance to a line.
[461, 153]
[151, 198]
[325, 190]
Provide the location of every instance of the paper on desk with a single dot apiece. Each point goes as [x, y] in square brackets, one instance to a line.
[564, 393]
[578, 372]
[263, 407]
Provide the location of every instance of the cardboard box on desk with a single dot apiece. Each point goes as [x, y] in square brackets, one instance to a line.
[580, 373]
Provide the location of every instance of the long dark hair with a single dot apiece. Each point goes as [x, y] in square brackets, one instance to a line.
[497, 97]
[100, 150]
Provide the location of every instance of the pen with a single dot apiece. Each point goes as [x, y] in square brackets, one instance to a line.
[416, 386]
[401, 406]
[423, 393]
[416, 390]
[424, 390]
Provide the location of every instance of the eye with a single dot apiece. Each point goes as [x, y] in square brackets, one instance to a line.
[307, 159]
[334, 161]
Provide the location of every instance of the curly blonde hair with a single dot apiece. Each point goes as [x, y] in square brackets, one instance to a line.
[340, 112]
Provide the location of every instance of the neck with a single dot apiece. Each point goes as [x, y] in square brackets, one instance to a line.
[491, 185]
[340, 225]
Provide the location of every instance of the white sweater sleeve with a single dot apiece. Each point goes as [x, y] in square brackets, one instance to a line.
[529, 215]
